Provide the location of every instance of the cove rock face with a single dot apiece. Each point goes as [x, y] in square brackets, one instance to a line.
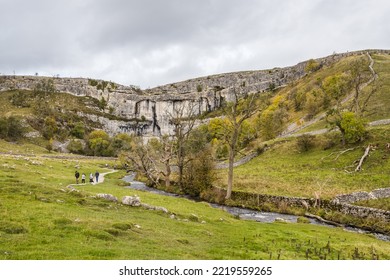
[148, 112]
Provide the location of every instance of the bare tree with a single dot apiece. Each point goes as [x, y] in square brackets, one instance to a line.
[236, 112]
[182, 118]
[165, 150]
[143, 161]
[361, 75]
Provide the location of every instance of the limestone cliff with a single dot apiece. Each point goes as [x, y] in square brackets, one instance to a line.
[146, 112]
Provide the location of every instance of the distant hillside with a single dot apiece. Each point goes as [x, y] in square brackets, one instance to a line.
[293, 96]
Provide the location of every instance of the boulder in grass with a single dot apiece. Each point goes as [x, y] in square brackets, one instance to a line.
[131, 201]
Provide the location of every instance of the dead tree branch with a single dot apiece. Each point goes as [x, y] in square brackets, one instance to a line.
[366, 152]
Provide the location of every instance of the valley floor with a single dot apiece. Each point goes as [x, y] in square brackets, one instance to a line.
[43, 219]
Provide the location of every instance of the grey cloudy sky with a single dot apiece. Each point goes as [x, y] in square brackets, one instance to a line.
[149, 43]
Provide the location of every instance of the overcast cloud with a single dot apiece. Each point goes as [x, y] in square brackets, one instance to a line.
[149, 43]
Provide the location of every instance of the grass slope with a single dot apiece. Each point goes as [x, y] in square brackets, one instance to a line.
[284, 170]
[42, 219]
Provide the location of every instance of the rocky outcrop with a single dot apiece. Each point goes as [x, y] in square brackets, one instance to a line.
[147, 112]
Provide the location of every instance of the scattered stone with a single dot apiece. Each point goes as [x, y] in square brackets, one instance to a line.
[131, 201]
[106, 196]
[137, 226]
[172, 216]
[156, 208]
[147, 206]
[162, 209]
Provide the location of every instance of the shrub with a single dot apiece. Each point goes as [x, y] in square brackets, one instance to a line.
[198, 174]
[50, 127]
[75, 146]
[353, 126]
[305, 142]
[78, 130]
[312, 66]
[19, 99]
[11, 128]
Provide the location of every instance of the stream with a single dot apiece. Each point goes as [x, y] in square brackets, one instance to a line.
[248, 214]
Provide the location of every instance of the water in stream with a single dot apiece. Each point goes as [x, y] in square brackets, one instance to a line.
[244, 213]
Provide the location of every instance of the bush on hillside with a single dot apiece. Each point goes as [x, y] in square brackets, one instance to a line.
[11, 128]
[305, 142]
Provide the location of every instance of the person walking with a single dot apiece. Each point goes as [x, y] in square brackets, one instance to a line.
[97, 176]
[77, 175]
[83, 178]
[91, 178]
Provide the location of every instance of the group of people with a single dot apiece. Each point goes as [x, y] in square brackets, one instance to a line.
[83, 177]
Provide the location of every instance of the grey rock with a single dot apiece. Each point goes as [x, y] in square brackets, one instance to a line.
[108, 197]
[131, 201]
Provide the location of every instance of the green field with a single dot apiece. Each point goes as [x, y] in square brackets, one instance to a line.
[284, 170]
[43, 219]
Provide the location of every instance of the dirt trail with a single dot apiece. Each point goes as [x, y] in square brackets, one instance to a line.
[101, 179]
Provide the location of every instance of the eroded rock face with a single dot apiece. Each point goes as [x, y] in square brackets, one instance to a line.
[147, 112]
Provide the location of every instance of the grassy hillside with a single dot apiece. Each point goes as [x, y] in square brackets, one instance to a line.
[42, 219]
[284, 169]
[378, 106]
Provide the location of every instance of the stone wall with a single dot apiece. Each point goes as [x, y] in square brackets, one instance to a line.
[362, 212]
[257, 200]
[357, 196]
[253, 200]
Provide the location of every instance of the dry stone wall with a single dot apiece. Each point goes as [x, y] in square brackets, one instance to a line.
[340, 203]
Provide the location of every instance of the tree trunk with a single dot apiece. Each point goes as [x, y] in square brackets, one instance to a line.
[167, 174]
[232, 152]
[180, 163]
[230, 175]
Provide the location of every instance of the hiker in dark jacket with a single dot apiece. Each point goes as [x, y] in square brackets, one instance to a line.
[77, 175]
[97, 176]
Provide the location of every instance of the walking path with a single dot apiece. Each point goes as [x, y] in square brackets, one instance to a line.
[101, 180]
